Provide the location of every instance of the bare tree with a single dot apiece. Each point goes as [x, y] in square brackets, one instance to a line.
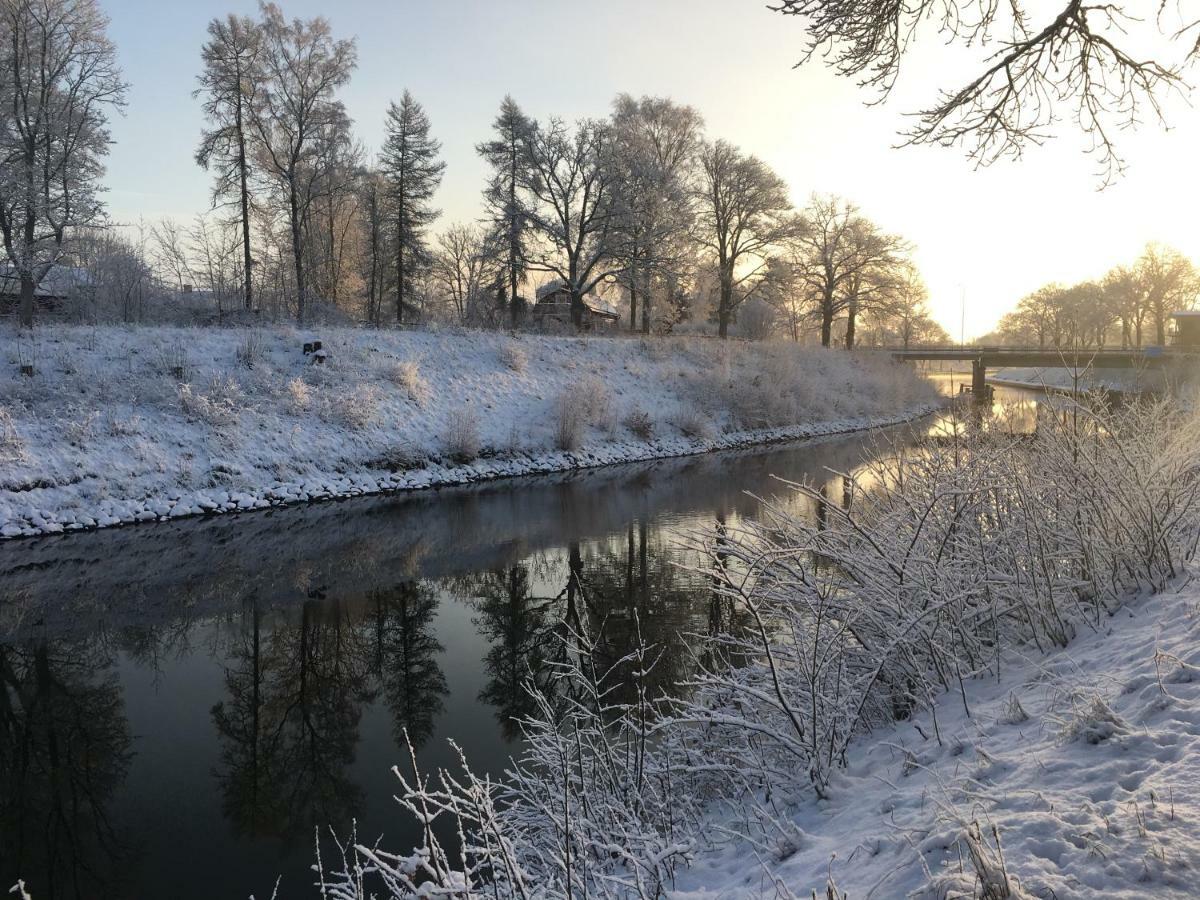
[230, 84]
[412, 170]
[506, 154]
[744, 212]
[569, 184]
[171, 252]
[58, 79]
[465, 266]
[654, 148]
[845, 263]
[1085, 58]
[1168, 281]
[301, 66]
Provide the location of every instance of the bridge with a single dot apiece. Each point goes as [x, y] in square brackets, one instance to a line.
[983, 358]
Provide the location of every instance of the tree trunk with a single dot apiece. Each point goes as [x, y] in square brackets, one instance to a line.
[27, 288]
[297, 253]
[633, 303]
[646, 310]
[245, 198]
[725, 306]
[851, 323]
[826, 320]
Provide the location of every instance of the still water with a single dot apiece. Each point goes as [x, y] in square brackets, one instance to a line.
[184, 703]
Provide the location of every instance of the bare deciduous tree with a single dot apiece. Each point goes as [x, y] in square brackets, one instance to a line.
[653, 153]
[302, 66]
[570, 184]
[744, 212]
[229, 83]
[58, 79]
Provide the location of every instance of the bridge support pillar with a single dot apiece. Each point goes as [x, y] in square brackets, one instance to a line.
[979, 380]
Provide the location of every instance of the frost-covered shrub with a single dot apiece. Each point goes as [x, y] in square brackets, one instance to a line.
[172, 360]
[12, 447]
[586, 401]
[513, 357]
[357, 408]
[639, 422]
[218, 403]
[251, 348]
[406, 375]
[80, 427]
[568, 422]
[461, 437]
[693, 423]
[298, 396]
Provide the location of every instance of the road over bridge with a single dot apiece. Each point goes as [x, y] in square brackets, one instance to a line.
[983, 358]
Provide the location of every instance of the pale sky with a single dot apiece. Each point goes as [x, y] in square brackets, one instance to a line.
[990, 235]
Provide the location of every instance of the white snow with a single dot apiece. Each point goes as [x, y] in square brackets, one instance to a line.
[120, 425]
[1086, 761]
[1064, 379]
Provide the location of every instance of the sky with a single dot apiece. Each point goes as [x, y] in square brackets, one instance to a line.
[983, 238]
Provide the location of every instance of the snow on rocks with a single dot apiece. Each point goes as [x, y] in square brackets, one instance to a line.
[106, 434]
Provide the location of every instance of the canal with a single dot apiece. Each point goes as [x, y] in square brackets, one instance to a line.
[183, 704]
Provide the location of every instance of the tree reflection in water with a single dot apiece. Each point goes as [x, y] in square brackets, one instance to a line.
[289, 727]
[64, 752]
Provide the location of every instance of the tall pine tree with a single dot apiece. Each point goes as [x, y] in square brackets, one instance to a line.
[506, 154]
[412, 171]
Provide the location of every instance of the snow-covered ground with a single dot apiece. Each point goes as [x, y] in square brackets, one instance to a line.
[1086, 762]
[1062, 379]
[118, 425]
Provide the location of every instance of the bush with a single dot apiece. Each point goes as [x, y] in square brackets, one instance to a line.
[693, 423]
[12, 447]
[218, 404]
[568, 423]
[250, 349]
[358, 408]
[406, 374]
[639, 422]
[298, 396]
[461, 438]
[513, 357]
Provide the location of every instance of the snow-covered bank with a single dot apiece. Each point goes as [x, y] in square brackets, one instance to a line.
[123, 425]
[1085, 762]
[1061, 379]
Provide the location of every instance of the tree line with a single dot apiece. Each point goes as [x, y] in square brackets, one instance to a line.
[1129, 307]
[639, 205]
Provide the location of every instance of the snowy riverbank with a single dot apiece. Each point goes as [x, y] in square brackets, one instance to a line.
[1083, 761]
[119, 425]
[1062, 379]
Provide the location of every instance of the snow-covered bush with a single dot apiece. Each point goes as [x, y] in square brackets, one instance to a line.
[568, 422]
[12, 448]
[693, 423]
[586, 401]
[461, 437]
[406, 374]
[251, 348]
[513, 357]
[357, 408]
[217, 404]
[298, 396]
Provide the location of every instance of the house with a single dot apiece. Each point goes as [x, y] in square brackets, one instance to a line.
[1186, 334]
[553, 308]
[50, 297]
